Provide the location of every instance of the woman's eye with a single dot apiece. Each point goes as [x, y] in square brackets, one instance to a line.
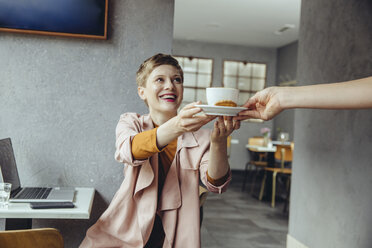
[159, 80]
[178, 80]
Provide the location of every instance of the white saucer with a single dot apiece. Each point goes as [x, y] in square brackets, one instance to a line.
[220, 110]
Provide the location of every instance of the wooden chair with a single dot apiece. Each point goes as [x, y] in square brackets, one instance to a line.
[283, 160]
[31, 238]
[258, 160]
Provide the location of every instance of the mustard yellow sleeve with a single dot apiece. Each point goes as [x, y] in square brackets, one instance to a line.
[144, 144]
[219, 181]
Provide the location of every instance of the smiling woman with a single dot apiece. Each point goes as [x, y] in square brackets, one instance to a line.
[165, 156]
[75, 18]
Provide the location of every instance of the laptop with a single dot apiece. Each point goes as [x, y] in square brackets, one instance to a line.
[9, 174]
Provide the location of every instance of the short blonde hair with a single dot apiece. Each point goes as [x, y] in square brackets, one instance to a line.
[151, 63]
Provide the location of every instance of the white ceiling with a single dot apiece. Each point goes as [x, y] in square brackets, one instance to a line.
[237, 22]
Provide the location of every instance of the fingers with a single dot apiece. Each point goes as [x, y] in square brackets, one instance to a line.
[246, 114]
[236, 124]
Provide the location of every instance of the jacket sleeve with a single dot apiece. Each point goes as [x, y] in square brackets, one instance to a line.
[129, 125]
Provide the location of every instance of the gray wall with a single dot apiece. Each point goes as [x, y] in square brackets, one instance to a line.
[218, 52]
[286, 71]
[331, 191]
[60, 100]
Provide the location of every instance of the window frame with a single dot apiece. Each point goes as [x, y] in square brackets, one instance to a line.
[195, 88]
[237, 76]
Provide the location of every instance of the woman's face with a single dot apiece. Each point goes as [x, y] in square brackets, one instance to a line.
[163, 91]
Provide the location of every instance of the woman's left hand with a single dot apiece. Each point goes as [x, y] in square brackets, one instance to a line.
[223, 127]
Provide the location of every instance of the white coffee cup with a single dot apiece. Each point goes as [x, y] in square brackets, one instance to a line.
[216, 94]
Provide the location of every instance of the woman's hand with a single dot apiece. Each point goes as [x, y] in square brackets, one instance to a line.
[185, 121]
[223, 127]
[188, 121]
[264, 105]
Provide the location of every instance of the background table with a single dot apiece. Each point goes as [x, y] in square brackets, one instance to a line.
[261, 148]
[20, 215]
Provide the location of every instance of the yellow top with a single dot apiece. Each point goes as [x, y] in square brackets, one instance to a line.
[144, 146]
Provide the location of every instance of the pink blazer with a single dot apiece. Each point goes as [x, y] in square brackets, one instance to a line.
[129, 219]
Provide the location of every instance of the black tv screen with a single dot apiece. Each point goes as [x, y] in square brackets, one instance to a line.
[75, 18]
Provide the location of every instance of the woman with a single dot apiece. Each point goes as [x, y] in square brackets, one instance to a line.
[165, 156]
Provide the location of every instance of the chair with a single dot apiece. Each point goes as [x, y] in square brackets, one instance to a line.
[283, 161]
[31, 238]
[258, 160]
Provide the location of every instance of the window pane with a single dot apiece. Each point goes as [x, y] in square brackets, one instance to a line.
[229, 82]
[230, 68]
[190, 65]
[245, 70]
[180, 61]
[189, 79]
[204, 80]
[244, 83]
[188, 95]
[201, 96]
[258, 84]
[243, 97]
[205, 65]
[259, 70]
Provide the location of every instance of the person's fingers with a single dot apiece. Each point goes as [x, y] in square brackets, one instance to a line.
[246, 114]
[216, 130]
[221, 125]
[251, 102]
[195, 122]
[229, 123]
[189, 112]
[236, 125]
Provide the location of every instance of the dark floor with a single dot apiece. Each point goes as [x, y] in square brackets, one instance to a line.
[235, 219]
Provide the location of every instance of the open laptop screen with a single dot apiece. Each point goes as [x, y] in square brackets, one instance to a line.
[8, 164]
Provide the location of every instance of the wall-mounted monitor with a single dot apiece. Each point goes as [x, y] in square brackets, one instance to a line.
[73, 18]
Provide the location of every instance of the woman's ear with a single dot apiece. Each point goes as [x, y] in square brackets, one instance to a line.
[141, 92]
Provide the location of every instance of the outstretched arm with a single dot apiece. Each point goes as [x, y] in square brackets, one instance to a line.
[266, 104]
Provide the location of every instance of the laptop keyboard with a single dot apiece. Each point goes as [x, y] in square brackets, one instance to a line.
[34, 193]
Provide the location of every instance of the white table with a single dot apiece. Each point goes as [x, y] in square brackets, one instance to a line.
[278, 142]
[261, 148]
[20, 215]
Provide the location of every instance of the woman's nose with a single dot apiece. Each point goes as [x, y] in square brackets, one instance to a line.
[168, 84]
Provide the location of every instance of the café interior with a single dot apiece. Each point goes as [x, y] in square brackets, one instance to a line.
[300, 180]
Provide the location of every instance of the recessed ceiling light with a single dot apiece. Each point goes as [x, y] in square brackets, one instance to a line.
[286, 27]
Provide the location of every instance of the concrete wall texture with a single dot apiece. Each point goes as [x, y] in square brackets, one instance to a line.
[219, 52]
[331, 188]
[286, 71]
[60, 100]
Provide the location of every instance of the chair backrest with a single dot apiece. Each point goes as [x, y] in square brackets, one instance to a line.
[284, 153]
[31, 238]
[256, 141]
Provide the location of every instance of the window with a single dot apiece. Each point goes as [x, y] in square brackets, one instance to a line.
[245, 76]
[197, 77]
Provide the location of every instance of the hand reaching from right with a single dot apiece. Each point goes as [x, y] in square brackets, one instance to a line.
[264, 105]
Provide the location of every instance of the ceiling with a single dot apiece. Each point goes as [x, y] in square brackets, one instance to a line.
[237, 22]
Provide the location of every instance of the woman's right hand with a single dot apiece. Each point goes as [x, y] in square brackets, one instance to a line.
[187, 120]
